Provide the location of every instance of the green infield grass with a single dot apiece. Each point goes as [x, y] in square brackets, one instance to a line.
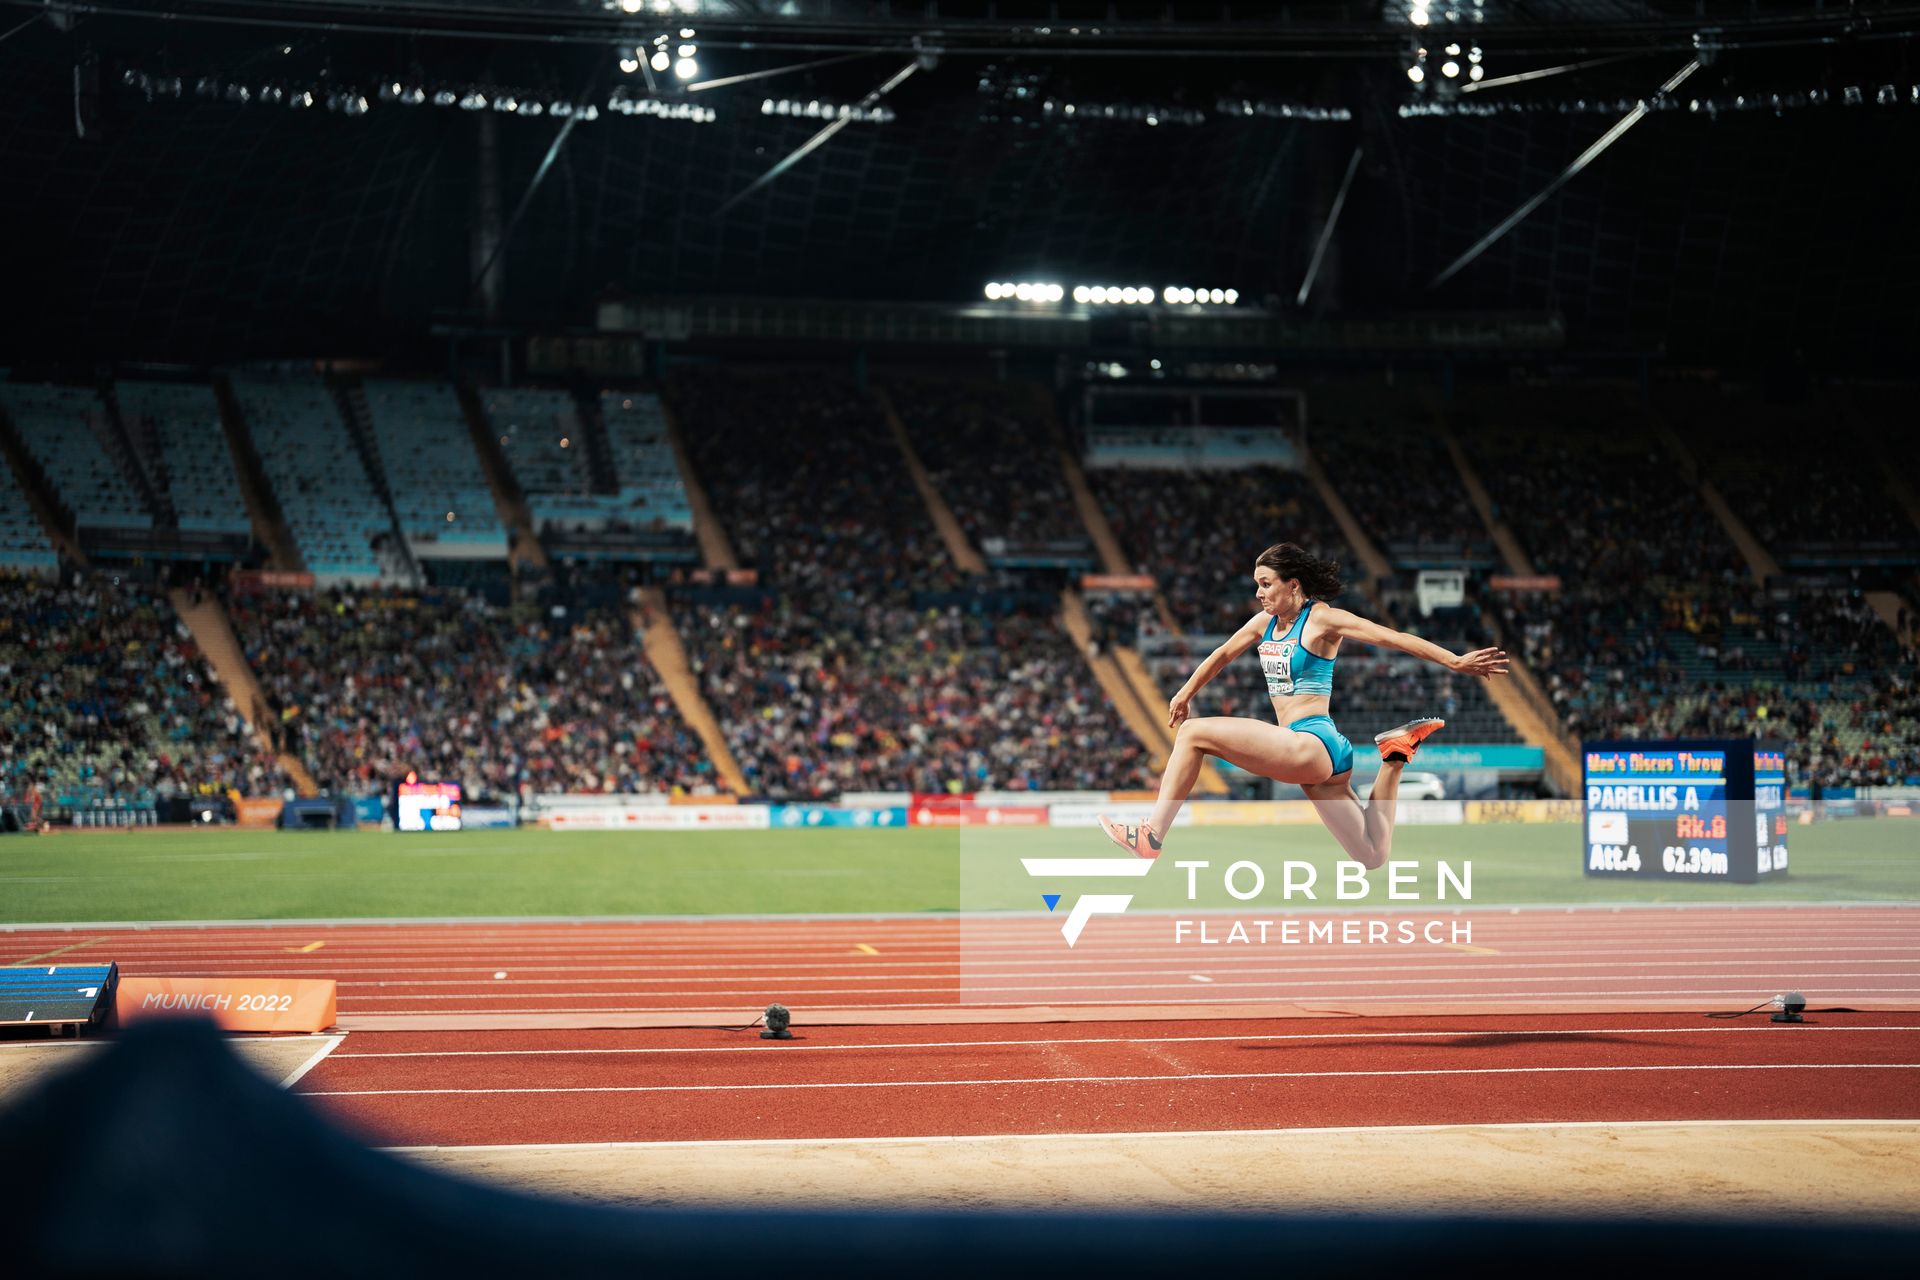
[214, 874]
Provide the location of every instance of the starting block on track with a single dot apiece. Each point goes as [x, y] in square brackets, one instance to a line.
[235, 1004]
[75, 997]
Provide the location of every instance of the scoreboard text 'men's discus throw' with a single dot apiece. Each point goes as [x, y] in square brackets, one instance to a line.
[1686, 809]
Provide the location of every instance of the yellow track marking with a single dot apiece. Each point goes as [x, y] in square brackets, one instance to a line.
[60, 951]
[865, 950]
[1478, 951]
[311, 946]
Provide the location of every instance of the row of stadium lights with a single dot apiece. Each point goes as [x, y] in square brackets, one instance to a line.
[682, 60]
[351, 101]
[1420, 12]
[1451, 67]
[1103, 295]
[1887, 95]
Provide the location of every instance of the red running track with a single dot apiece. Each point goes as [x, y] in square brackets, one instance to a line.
[442, 1088]
[574, 974]
[1202, 1064]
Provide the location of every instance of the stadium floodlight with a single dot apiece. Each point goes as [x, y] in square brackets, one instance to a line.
[1449, 68]
[1416, 73]
[1170, 295]
[1216, 295]
[1453, 51]
[1233, 296]
[1023, 292]
[1127, 295]
[631, 6]
[1419, 16]
[1474, 54]
[688, 50]
[992, 291]
[660, 61]
[1475, 71]
[686, 69]
[1082, 294]
[629, 64]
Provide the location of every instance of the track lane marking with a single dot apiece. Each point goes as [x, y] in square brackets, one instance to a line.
[1122, 1040]
[332, 1042]
[1159, 1079]
[1295, 998]
[59, 951]
[1129, 1135]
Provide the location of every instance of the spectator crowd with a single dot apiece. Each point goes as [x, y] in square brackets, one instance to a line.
[372, 684]
[104, 696]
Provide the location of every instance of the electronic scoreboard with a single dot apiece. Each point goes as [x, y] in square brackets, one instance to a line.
[1692, 809]
[426, 806]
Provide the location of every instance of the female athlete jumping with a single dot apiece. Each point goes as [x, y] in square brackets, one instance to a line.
[1299, 637]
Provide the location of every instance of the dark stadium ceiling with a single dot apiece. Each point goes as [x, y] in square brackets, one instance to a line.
[1766, 210]
[1077, 27]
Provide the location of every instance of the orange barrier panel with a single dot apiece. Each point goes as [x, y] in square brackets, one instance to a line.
[260, 811]
[237, 1004]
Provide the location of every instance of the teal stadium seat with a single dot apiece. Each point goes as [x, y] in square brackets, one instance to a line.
[61, 428]
[329, 503]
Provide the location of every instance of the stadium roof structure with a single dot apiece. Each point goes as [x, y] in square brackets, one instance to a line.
[216, 179]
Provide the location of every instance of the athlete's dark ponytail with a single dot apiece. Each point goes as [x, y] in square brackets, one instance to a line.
[1319, 578]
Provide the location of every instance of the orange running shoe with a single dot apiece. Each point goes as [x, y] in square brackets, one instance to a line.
[1401, 743]
[1136, 838]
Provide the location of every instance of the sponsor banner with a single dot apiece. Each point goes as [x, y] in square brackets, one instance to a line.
[941, 799]
[1253, 813]
[236, 1004]
[485, 817]
[573, 801]
[876, 799]
[1474, 755]
[369, 811]
[1117, 582]
[258, 811]
[1027, 799]
[1524, 582]
[1429, 813]
[1479, 811]
[663, 818]
[981, 816]
[1132, 797]
[792, 816]
[1088, 815]
[723, 798]
[274, 579]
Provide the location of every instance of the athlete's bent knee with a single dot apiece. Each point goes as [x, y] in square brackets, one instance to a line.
[1370, 858]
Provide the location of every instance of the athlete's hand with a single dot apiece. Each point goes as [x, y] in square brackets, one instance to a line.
[1177, 708]
[1485, 663]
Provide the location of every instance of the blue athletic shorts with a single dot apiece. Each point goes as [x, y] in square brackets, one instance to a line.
[1338, 748]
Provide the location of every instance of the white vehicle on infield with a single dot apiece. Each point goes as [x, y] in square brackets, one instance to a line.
[1413, 786]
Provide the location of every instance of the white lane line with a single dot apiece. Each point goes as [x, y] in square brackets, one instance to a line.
[1828, 905]
[1129, 1040]
[1293, 997]
[1803, 971]
[1314, 959]
[332, 1042]
[1067, 1135]
[1161, 1079]
[1040, 988]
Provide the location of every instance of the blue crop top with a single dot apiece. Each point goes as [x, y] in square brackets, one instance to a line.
[1287, 663]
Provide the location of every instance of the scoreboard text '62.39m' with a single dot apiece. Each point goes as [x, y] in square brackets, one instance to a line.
[1685, 809]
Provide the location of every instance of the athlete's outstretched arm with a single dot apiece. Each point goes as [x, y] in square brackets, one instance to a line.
[1484, 663]
[1236, 644]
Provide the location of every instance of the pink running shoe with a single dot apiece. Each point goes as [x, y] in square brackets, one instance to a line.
[1401, 743]
[1136, 838]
